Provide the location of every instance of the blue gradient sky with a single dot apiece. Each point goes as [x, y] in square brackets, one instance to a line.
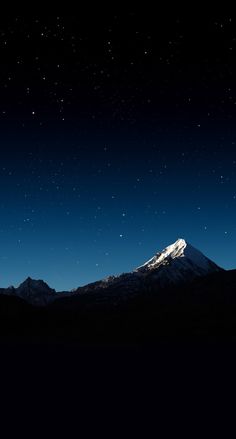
[117, 137]
[74, 217]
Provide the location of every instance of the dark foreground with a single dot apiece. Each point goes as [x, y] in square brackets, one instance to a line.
[169, 354]
[198, 312]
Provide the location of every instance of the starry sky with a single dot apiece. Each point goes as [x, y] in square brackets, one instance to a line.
[117, 137]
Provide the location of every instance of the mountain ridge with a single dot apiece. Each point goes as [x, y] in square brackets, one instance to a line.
[179, 262]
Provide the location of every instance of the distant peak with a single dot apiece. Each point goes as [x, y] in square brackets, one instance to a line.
[35, 291]
[180, 250]
[33, 283]
[30, 280]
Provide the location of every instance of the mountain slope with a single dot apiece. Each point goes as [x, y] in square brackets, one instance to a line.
[179, 262]
[35, 292]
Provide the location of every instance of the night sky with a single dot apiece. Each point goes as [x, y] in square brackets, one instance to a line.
[117, 137]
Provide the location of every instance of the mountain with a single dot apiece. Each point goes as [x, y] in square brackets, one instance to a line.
[179, 292]
[35, 292]
[178, 263]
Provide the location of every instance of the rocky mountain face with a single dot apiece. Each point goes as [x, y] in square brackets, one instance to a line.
[35, 292]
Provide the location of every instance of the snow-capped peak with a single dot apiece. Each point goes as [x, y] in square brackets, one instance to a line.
[172, 251]
[180, 254]
[178, 263]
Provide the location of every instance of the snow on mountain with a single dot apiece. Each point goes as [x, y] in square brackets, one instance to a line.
[179, 262]
[178, 249]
